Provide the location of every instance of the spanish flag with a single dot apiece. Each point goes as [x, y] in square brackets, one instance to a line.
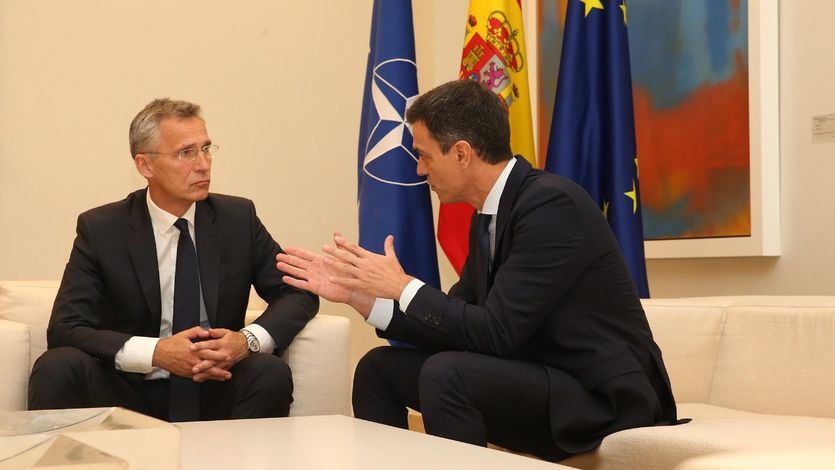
[494, 54]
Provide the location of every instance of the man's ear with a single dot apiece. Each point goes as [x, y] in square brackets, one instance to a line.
[143, 165]
[463, 153]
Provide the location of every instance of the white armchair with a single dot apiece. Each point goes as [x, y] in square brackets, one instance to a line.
[318, 357]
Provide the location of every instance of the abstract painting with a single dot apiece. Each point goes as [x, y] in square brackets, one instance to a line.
[690, 80]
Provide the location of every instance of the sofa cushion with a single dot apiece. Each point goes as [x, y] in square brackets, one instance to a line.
[778, 359]
[30, 303]
[14, 368]
[320, 366]
[713, 429]
[776, 459]
[688, 336]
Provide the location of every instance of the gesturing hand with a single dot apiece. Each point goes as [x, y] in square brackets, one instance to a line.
[308, 271]
[376, 275]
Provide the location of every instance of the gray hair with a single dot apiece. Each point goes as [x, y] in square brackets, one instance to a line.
[144, 129]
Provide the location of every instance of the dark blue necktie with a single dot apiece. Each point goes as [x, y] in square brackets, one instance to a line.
[483, 256]
[185, 393]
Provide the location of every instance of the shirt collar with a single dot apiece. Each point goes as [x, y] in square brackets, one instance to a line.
[162, 220]
[491, 204]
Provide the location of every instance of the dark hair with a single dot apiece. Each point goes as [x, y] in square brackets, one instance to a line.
[465, 110]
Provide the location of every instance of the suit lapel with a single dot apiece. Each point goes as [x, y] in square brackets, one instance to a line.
[511, 190]
[208, 257]
[143, 253]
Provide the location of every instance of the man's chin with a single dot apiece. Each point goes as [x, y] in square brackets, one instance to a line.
[200, 193]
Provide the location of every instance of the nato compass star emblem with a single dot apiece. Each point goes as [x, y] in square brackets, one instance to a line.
[388, 150]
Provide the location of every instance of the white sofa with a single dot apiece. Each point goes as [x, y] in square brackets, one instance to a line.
[756, 374]
[779, 459]
[318, 357]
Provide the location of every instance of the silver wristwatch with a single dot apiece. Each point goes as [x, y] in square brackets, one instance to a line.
[252, 343]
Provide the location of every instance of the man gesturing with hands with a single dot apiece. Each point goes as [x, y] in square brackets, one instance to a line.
[542, 346]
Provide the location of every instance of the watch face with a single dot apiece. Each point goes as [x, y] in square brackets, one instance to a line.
[252, 343]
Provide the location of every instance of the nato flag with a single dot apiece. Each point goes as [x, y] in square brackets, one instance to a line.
[392, 198]
[593, 131]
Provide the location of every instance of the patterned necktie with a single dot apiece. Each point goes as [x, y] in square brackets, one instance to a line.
[185, 393]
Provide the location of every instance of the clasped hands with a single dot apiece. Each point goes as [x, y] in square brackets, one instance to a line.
[346, 273]
[211, 358]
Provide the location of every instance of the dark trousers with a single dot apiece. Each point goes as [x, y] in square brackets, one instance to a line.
[462, 396]
[261, 386]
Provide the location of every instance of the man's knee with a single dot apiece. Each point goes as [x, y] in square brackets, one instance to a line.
[58, 372]
[264, 387]
[441, 372]
[272, 375]
[61, 364]
[370, 365]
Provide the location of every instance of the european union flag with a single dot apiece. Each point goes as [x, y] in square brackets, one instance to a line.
[392, 198]
[593, 129]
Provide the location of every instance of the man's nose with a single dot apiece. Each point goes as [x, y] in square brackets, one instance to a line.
[203, 162]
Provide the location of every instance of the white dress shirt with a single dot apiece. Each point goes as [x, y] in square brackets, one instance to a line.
[138, 352]
[383, 309]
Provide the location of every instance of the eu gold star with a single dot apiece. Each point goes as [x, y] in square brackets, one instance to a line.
[623, 8]
[591, 5]
[606, 209]
[634, 196]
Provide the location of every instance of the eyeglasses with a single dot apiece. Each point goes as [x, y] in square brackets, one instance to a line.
[190, 154]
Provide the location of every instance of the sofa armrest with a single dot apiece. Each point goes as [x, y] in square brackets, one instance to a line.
[319, 358]
[14, 367]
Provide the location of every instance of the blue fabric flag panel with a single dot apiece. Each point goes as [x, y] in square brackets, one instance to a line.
[392, 198]
[592, 131]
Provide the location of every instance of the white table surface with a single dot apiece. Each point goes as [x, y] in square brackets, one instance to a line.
[332, 442]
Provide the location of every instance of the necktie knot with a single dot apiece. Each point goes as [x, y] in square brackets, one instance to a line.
[483, 223]
[182, 225]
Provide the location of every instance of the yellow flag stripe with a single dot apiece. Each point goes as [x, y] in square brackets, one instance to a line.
[495, 54]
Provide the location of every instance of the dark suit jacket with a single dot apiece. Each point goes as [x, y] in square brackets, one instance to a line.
[110, 290]
[559, 295]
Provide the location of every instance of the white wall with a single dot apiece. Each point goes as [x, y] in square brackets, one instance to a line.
[281, 84]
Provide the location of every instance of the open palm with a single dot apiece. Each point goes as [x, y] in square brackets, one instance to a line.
[308, 271]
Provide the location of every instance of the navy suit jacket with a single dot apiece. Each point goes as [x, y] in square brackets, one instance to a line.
[110, 290]
[558, 294]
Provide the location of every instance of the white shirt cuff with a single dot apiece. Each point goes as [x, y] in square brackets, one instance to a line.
[409, 293]
[381, 314]
[264, 338]
[137, 355]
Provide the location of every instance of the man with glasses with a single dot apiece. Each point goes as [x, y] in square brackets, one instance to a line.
[150, 312]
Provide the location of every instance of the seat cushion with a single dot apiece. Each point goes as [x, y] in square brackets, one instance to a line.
[14, 368]
[713, 429]
[777, 459]
[777, 359]
[30, 303]
[688, 336]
